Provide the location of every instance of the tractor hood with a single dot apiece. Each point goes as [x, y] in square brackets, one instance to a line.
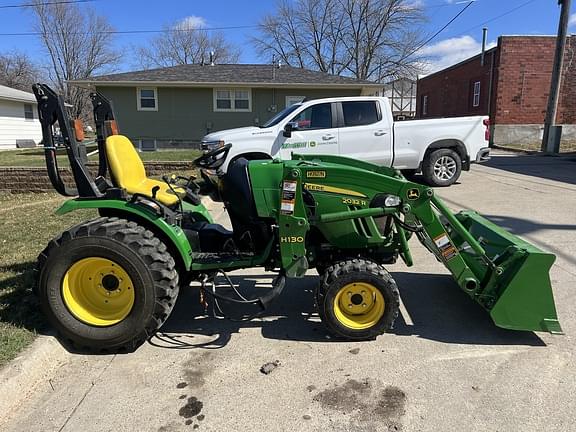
[233, 135]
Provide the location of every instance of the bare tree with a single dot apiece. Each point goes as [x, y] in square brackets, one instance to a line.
[187, 42]
[78, 45]
[18, 71]
[365, 39]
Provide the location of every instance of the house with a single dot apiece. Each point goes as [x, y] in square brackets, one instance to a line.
[19, 124]
[176, 106]
[511, 86]
[402, 95]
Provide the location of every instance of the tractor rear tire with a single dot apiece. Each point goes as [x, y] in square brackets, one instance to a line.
[107, 284]
[357, 299]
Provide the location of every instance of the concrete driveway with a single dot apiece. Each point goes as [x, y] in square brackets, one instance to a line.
[445, 366]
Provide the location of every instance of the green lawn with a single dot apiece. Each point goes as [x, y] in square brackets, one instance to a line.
[35, 157]
[27, 223]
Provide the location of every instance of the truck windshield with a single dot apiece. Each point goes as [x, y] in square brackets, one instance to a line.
[281, 115]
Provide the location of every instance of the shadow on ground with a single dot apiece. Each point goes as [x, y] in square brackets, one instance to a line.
[18, 305]
[558, 168]
[438, 310]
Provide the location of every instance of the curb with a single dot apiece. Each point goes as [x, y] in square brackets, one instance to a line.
[35, 365]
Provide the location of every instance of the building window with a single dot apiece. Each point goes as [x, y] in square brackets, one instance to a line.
[231, 99]
[28, 112]
[147, 145]
[425, 105]
[147, 99]
[476, 96]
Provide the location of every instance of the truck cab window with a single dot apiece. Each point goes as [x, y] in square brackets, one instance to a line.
[360, 113]
[315, 117]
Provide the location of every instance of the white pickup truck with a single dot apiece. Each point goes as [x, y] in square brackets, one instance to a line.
[363, 128]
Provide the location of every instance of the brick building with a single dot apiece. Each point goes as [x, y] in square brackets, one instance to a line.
[512, 87]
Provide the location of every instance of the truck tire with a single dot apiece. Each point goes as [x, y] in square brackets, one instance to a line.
[107, 284]
[357, 299]
[441, 167]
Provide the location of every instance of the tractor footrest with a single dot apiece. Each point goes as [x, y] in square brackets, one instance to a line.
[222, 257]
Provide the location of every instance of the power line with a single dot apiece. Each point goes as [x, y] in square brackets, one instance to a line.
[431, 38]
[45, 3]
[174, 30]
[497, 17]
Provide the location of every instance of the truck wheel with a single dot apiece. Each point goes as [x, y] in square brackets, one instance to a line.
[357, 299]
[107, 284]
[442, 167]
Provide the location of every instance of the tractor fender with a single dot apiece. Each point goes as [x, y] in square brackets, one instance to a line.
[172, 235]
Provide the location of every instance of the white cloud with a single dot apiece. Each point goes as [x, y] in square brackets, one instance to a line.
[450, 51]
[572, 20]
[191, 22]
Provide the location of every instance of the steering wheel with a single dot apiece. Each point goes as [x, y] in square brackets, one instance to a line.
[210, 160]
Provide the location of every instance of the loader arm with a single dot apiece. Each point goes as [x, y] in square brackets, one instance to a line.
[506, 275]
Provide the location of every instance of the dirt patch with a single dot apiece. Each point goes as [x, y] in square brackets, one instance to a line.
[354, 351]
[390, 403]
[194, 373]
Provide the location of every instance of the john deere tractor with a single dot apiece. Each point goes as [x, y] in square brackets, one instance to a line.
[110, 283]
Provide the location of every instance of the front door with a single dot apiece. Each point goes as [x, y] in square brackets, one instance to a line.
[313, 131]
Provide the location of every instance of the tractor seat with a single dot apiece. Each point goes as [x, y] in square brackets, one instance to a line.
[127, 171]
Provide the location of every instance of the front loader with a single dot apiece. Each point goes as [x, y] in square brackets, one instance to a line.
[111, 282]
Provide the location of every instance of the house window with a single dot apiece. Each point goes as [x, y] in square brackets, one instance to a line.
[28, 112]
[231, 99]
[291, 100]
[147, 99]
[425, 105]
[476, 96]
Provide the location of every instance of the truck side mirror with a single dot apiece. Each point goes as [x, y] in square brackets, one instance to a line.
[288, 130]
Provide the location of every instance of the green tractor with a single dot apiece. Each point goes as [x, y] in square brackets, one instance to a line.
[110, 283]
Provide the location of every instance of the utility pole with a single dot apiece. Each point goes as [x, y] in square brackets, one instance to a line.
[550, 121]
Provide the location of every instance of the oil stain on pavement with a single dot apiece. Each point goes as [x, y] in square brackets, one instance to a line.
[366, 402]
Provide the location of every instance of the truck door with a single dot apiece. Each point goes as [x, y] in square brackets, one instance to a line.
[365, 132]
[313, 131]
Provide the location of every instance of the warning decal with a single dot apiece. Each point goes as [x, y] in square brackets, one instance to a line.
[446, 248]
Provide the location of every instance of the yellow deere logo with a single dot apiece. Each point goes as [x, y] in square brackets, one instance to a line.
[413, 194]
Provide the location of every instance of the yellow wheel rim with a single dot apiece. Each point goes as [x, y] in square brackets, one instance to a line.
[98, 291]
[359, 305]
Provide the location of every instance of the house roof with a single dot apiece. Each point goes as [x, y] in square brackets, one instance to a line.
[8, 93]
[254, 75]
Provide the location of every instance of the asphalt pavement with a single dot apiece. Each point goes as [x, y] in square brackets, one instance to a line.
[444, 366]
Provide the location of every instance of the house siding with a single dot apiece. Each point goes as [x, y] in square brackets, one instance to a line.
[13, 125]
[186, 114]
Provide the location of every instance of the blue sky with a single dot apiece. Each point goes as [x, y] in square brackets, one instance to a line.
[460, 40]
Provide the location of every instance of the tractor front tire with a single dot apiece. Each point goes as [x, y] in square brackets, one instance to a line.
[357, 299]
[107, 284]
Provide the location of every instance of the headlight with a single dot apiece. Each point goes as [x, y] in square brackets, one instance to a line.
[392, 201]
[212, 145]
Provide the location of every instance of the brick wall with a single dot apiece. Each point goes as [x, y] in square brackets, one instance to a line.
[450, 92]
[524, 75]
[19, 180]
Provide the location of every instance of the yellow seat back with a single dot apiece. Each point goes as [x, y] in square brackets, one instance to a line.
[128, 171]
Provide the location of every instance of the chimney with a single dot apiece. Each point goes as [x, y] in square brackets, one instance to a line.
[211, 58]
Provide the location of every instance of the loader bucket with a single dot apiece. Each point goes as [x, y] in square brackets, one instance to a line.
[517, 292]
